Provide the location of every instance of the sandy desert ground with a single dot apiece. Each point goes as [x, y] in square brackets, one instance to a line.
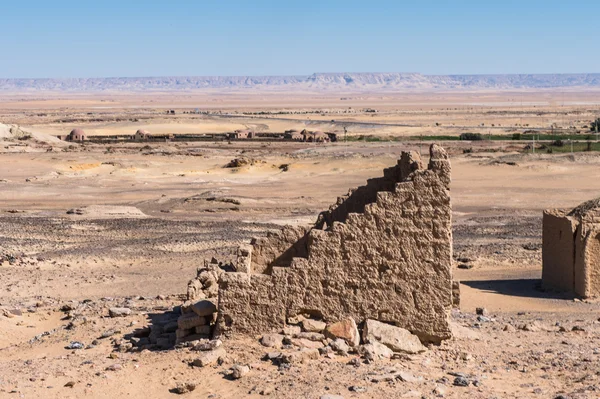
[87, 227]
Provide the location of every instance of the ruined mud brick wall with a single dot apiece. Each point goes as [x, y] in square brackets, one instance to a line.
[382, 252]
[558, 250]
[277, 248]
[571, 249]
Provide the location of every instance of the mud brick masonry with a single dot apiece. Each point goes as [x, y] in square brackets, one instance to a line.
[383, 252]
[571, 249]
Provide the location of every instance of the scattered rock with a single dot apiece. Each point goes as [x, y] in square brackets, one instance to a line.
[119, 312]
[439, 390]
[291, 330]
[209, 357]
[306, 343]
[114, 367]
[75, 345]
[345, 329]
[340, 346]
[185, 387]
[461, 381]
[300, 356]
[208, 346]
[408, 377]
[204, 308]
[396, 338]
[310, 325]
[481, 311]
[357, 389]
[272, 340]
[295, 320]
[375, 350]
[238, 371]
[311, 336]
[70, 384]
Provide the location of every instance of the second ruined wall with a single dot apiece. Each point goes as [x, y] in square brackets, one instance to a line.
[571, 252]
[558, 250]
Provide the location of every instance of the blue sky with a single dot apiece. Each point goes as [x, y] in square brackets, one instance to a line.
[262, 37]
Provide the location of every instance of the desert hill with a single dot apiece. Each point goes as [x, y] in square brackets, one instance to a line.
[316, 82]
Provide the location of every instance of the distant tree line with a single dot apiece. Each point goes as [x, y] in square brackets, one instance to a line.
[595, 126]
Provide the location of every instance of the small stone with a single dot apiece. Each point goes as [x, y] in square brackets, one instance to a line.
[296, 319]
[15, 312]
[509, 328]
[75, 345]
[208, 346]
[408, 377]
[204, 308]
[107, 334]
[185, 387]
[310, 325]
[272, 340]
[210, 357]
[306, 343]
[375, 350]
[70, 384]
[461, 382]
[311, 336]
[189, 321]
[300, 356]
[481, 311]
[119, 312]
[439, 390]
[114, 367]
[354, 362]
[345, 329]
[357, 389]
[291, 330]
[531, 327]
[238, 371]
[577, 328]
[396, 338]
[272, 356]
[340, 347]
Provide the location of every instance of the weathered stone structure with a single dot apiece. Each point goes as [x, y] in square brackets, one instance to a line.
[571, 249]
[382, 252]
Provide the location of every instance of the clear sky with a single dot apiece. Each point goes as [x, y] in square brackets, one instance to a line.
[110, 38]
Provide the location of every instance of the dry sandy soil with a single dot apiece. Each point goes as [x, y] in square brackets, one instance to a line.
[93, 227]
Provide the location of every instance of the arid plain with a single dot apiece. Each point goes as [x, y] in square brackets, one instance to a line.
[85, 227]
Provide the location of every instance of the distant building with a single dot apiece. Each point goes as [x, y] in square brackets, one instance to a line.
[75, 135]
[241, 134]
[141, 135]
[293, 134]
[316, 137]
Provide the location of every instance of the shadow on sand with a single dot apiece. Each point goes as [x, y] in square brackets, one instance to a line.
[526, 288]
